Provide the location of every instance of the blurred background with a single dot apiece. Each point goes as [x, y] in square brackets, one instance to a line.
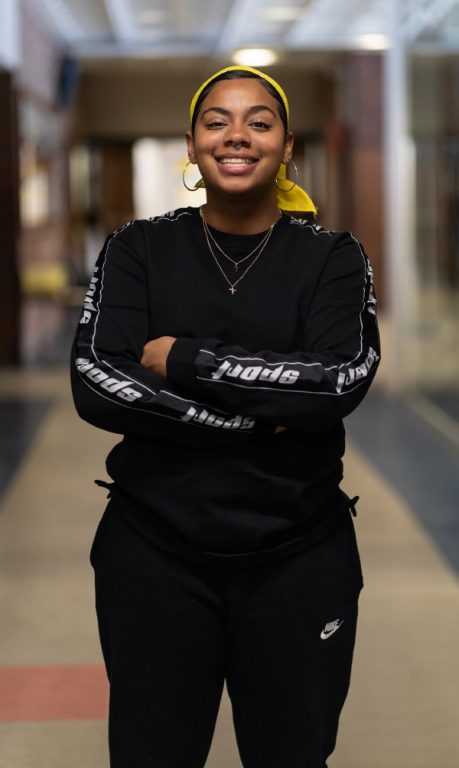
[94, 98]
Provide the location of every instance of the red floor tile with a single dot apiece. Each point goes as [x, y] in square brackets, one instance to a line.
[53, 693]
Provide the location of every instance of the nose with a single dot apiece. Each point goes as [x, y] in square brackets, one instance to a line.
[238, 138]
[237, 143]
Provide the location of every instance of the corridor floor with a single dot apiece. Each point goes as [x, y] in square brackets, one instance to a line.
[403, 708]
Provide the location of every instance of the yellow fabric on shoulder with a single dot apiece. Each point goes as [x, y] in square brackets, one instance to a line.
[292, 198]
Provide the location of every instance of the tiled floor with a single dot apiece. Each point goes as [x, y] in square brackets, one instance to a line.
[403, 709]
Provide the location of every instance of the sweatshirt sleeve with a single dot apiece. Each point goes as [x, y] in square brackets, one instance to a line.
[315, 386]
[111, 388]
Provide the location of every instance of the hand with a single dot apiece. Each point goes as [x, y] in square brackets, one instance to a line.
[155, 353]
[280, 429]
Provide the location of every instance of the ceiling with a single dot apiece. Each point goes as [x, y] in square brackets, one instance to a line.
[98, 29]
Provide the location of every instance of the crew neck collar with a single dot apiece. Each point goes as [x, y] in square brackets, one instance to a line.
[239, 236]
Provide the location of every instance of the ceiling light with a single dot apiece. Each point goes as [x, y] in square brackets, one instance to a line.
[150, 16]
[281, 13]
[373, 42]
[254, 57]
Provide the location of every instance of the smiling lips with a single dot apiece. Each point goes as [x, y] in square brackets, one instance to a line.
[236, 160]
[236, 164]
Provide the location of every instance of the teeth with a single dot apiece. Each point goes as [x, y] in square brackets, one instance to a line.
[236, 161]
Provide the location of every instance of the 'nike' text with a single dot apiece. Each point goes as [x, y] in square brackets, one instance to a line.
[331, 628]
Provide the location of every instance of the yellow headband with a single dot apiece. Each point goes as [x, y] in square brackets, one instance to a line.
[292, 198]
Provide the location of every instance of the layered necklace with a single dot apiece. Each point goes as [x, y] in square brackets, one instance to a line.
[254, 254]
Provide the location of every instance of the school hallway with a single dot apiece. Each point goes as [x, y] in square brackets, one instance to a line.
[403, 708]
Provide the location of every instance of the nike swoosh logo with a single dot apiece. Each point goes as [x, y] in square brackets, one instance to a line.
[324, 635]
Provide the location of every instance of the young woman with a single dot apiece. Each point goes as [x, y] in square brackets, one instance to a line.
[226, 344]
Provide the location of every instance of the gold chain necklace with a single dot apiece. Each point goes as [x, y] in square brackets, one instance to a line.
[260, 248]
[235, 263]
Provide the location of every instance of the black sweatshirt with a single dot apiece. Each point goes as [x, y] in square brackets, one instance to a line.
[200, 468]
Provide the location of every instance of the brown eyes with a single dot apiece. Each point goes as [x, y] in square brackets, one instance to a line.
[259, 125]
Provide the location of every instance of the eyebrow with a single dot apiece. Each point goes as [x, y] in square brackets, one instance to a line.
[251, 111]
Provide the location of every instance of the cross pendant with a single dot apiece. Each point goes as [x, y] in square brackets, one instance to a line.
[232, 290]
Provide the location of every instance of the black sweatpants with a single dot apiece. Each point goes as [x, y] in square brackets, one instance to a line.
[281, 635]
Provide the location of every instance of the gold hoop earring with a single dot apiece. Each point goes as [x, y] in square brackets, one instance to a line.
[282, 189]
[198, 183]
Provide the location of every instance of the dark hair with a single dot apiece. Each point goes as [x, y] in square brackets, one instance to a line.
[238, 74]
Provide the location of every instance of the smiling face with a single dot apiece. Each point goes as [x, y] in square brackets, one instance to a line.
[239, 139]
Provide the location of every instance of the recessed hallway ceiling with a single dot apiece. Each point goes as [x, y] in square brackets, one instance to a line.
[101, 28]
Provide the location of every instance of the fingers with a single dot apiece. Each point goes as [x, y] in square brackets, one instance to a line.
[155, 353]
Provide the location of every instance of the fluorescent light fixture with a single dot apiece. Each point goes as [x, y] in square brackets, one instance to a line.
[254, 57]
[281, 13]
[374, 42]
